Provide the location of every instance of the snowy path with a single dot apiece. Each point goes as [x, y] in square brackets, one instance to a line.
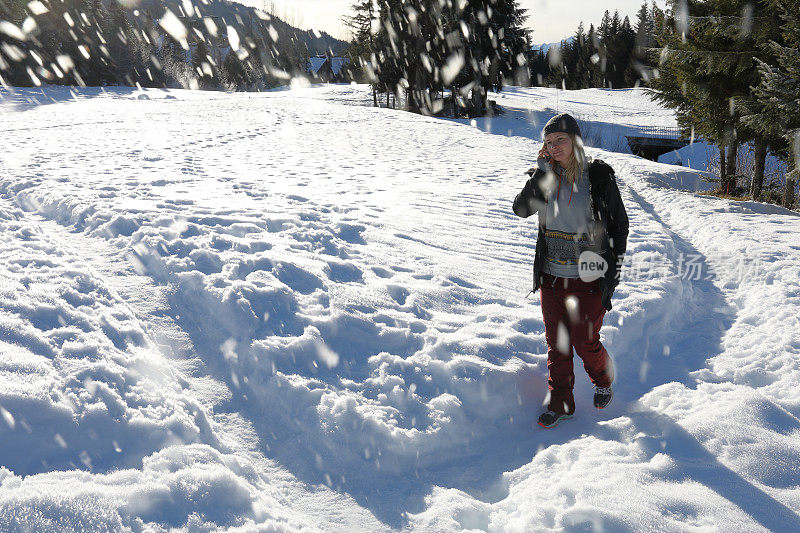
[150, 303]
[329, 303]
[226, 432]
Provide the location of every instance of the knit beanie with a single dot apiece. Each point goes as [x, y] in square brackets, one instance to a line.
[564, 123]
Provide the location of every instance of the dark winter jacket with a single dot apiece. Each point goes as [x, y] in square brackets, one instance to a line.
[609, 217]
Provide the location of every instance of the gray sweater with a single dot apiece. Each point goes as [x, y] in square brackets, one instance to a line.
[568, 217]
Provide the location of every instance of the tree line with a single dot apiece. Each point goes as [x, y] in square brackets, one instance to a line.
[729, 68]
[213, 45]
[439, 55]
[731, 71]
[612, 55]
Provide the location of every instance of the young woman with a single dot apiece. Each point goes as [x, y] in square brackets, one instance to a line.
[583, 227]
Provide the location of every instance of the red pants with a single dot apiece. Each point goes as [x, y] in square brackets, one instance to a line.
[573, 314]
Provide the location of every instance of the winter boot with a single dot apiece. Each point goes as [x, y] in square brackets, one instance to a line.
[551, 419]
[602, 397]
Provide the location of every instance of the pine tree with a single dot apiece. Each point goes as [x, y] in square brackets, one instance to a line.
[629, 73]
[578, 57]
[118, 35]
[604, 30]
[362, 47]
[172, 57]
[512, 39]
[538, 66]
[644, 41]
[15, 61]
[644, 31]
[739, 31]
[234, 71]
[777, 113]
[706, 66]
[593, 48]
[202, 66]
[604, 38]
[388, 51]
[424, 46]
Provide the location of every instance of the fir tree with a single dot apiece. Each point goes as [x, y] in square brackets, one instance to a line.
[579, 55]
[706, 65]
[644, 31]
[362, 48]
[777, 108]
[604, 38]
[470, 47]
[206, 75]
[538, 66]
[629, 74]
[118, 34]
[644, 42]
[15, 61]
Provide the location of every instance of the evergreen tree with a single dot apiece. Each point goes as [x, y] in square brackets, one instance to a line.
[579, 56]
[512, 40]
[629, 74]
[644, 31]
[234, 71]
[15, 61]
[99, 42]
[594, 47]
[604, 30]
[538, 66]
[362, 48]
[387, 57]
[118, 34]
[470, 47]
[606, 57]
[172, 58]
[207, 74]
[706, 65]
[604, 38]
[644, 42]
[776, 113]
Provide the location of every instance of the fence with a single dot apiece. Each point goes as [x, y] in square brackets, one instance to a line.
[658, 131]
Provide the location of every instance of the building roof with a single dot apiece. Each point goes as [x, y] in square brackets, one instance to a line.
[337, 63]
[315, 63]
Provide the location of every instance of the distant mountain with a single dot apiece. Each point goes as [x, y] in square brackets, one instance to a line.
[321, 43]
[546, 46]
[238, 15]
[318, 43]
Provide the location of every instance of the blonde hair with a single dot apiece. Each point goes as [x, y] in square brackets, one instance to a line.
[574, 169]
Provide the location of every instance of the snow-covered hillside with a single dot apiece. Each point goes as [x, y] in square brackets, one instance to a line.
[287, 311]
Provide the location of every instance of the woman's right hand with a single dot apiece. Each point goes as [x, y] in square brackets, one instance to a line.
[543, 153]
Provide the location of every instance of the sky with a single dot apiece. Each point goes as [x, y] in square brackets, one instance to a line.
[551, 20]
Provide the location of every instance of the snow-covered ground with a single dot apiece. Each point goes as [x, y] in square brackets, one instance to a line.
[288, 311]
[606, 115]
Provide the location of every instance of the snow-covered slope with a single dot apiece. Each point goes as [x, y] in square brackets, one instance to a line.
[289, 312]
